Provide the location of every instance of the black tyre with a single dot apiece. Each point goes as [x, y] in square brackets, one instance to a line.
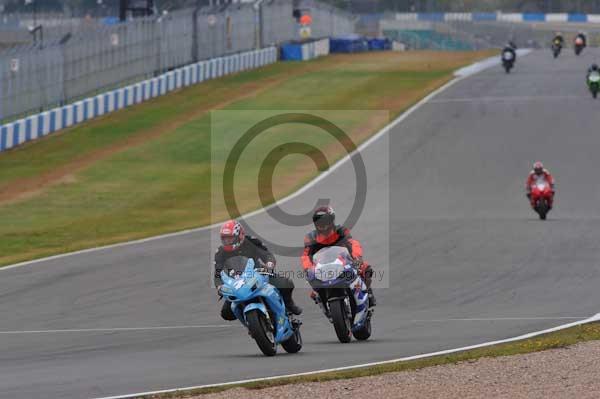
[365, 332]
[595, 93]
[542, 210]
[294, 343]
[341, 322]
[261, 332]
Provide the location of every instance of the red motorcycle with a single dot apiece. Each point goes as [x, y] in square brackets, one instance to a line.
[541, 197]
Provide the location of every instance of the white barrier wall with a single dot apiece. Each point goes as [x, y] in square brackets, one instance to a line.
[39, 125]
[322, 48]
[315, 49]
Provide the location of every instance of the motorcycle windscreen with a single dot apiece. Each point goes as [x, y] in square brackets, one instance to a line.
[330, 263]
[541, 184]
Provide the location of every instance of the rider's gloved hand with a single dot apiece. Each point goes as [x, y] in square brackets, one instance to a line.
[357, 262]
[310, 274]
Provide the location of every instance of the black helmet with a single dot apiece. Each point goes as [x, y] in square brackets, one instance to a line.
[324, 218]
[594, 67]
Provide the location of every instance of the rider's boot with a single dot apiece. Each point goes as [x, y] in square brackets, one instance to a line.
[367, 276]
[290, 305]
[314, 296]
[372, 301]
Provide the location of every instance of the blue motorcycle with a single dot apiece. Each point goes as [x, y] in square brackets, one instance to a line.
[259, 306]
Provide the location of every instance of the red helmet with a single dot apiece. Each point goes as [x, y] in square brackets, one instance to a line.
[538, 167]
[232, 235]
[324, 219]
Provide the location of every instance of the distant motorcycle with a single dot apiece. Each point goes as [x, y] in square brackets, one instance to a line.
[259, 307]
[508, 60]
[579, 45]
[556, 48]
[342, 294]
[593, 82]
[541, 197]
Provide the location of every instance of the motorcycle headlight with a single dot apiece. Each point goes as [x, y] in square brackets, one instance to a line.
[226, 290]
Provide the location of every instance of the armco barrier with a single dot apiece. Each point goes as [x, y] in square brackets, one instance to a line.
[504, 17]
[304, 51]
[40, 125]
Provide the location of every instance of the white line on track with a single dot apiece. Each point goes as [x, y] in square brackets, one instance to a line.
[500, 319]
[118, 329]
[159, 328]
[507, 98]
[594, 318]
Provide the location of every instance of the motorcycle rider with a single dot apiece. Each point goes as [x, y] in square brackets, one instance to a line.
[539, 172]
[582, 38]
[592, 68]
[510, 47]
[558, 39]
[328, 234]
[234, 242]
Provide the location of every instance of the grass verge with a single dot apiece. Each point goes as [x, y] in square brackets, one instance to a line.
[146, 170]
[559, 339]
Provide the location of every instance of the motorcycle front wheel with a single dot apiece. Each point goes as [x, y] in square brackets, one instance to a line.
[341, 322]
[542, 210]
[262, 334]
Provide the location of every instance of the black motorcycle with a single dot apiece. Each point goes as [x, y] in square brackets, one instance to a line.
[579, 45]
[556, 48]
[508, 60]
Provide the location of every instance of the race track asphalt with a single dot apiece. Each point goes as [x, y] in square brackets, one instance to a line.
[465, 259]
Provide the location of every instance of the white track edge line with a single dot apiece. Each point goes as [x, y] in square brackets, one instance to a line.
[116, 329]
[313, 182]
[594, 318]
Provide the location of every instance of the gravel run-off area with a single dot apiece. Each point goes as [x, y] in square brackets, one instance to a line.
[571, 372]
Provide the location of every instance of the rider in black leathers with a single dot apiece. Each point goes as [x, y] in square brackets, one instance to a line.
[235, 243]
[558, 39]
[510, 47]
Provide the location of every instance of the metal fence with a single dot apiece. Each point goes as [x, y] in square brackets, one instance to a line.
[458, 34]
[92, 58]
